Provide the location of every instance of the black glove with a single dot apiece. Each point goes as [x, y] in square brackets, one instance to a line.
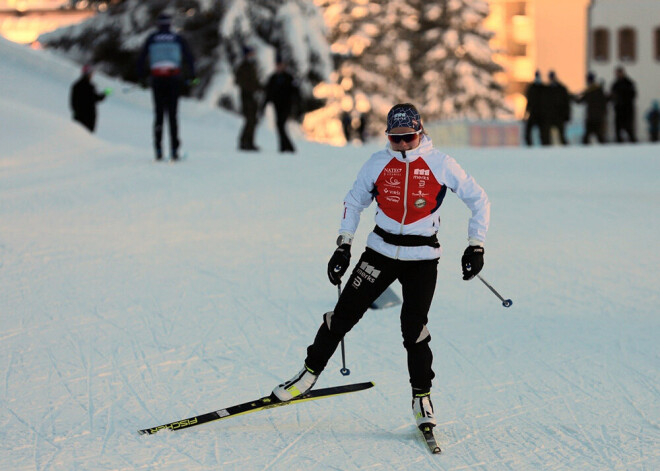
[338, 263]
[472, 261]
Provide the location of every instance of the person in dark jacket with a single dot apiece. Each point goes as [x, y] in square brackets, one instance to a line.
[536, 113]
[83, 99]
[595, 117]
[167, 51]
[623, 94]
[653, 120]
[559, 107]
[282, 91]
[247, 79]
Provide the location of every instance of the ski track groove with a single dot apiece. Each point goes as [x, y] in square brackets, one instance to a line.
[131, 390]
[30, 427]
[282, 453]
[109, 430]
[10, 362]
[587, 439]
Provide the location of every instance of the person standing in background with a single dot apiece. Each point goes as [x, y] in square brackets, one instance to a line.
[247, 79]
[167, 51]
[282, 91]
[653, 120]
[536, 111]
[559, 107]
[622, 95]
[595, 117]
[83, 98]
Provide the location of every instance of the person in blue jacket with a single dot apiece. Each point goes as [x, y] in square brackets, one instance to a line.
[167, 52]
[653, 119]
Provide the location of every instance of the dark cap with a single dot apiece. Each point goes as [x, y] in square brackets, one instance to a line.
[404, 115]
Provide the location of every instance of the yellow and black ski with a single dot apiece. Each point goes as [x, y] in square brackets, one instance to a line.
[266, 402]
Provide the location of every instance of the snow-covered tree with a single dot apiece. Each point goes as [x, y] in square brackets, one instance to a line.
[217, 33]
[433, 53]
[453, 60]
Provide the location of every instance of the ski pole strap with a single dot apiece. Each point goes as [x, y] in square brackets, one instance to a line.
[407, 240]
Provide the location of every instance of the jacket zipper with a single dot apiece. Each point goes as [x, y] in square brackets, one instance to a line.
[405, 206]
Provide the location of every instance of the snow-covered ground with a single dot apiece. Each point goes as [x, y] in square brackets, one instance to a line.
[134, 293]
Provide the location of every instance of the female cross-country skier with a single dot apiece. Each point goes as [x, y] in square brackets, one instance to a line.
[408, 180]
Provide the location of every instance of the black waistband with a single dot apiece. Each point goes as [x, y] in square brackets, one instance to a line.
[407, 240]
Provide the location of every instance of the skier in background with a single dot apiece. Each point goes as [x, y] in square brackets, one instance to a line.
[247, 79]
[559, 107]
[167, 52]
[595, 117]
[282, 91]
[347, 125]
[83, 98]
[622, 95]
[653, 120]
[536, 110]
[408, 180]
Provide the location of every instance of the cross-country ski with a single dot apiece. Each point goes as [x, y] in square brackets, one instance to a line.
[266, 402]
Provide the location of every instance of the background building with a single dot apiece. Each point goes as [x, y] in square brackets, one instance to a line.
[539, 34]
[627, 33]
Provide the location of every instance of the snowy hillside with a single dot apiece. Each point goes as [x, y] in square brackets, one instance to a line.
[135, 293]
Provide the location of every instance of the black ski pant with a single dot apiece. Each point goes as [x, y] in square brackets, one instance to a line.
[166, 92]
[544, 131]
[594, 127]
[624, 123]
[561, 131]
[371, 276]
[282, 115]
[249, 108]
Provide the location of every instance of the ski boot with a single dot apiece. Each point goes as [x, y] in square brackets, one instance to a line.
[299, 385]
[423, 410]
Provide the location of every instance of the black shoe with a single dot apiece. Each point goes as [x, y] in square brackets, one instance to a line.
[175, 155]
[159, 154]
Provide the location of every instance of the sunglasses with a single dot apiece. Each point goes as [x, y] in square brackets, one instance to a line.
[407, 137]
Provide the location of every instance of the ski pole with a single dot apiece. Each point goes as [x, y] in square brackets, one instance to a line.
[505, 302]
[344, 371]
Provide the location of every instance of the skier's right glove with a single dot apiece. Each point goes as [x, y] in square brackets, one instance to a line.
[339, 263]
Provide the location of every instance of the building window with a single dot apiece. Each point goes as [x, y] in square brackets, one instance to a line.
[518, 50]
[627, 45]
[601, 46]
[656, 37]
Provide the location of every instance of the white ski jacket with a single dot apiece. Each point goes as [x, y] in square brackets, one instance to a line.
[409, 192]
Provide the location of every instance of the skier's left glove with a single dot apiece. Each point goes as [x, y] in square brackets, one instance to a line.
[472, 261]
[339, 263]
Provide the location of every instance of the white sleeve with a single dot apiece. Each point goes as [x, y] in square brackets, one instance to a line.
[474, 197]
[357, 199]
